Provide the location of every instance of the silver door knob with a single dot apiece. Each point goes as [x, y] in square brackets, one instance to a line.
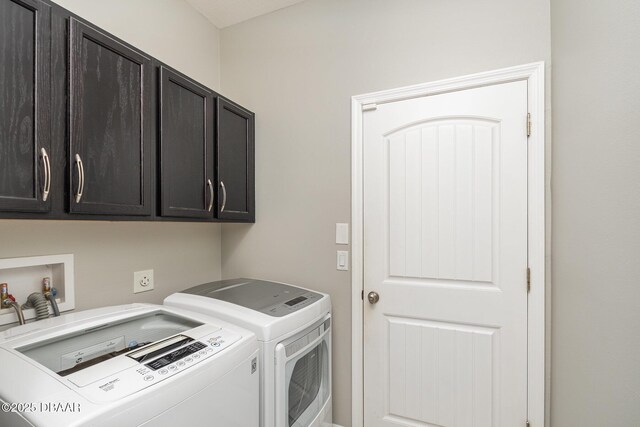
[373, 297]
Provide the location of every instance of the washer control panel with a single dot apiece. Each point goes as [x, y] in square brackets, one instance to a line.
[161, 367]
[172, 358]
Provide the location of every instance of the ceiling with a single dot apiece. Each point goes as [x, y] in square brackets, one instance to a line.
[223, 13]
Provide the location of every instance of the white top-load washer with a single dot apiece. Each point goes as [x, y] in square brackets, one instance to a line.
[293, 326]
[129, 365]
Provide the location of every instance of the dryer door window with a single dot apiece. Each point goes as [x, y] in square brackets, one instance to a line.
[306, 381]
[307, 377]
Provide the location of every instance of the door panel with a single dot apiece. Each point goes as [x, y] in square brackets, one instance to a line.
[235, 144]
[187, 187]
[445, 200]
[25, 29]
[428, 385]
[441, 184]
[110, 125]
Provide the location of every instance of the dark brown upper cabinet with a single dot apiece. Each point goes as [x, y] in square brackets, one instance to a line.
[109, 125]
[187, 189]
[235, 162]
[93, 128]
[25, 167]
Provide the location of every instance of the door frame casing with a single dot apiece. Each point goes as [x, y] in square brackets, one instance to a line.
[533, 74]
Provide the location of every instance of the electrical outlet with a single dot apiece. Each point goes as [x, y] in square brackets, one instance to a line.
[142, 281]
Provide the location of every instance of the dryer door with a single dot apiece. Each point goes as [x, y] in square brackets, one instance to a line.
[303, 376]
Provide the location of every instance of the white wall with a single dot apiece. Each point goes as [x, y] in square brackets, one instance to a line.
[595, 378]
[107, 253]
[297, 69]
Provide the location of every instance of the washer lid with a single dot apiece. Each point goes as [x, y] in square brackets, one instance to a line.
[272, 298]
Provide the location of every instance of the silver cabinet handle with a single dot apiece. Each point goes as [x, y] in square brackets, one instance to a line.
[224, 196]
[80, 178]
[210, 185]
[46, 186]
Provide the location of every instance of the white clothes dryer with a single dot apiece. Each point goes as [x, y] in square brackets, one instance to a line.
[293, 326]
[129, 365]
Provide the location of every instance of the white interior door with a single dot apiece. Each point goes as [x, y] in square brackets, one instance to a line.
[445, 247]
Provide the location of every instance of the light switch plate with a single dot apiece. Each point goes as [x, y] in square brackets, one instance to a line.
[142, 281]
[342, 260]
[342, 234]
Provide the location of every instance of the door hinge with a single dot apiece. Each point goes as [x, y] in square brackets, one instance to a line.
[362, 295]
[528, 124]
[370, 107]
[528, 424]
[528, 279]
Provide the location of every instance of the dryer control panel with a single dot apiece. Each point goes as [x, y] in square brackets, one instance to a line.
[296, 303]
[156, 363]
[272, 298]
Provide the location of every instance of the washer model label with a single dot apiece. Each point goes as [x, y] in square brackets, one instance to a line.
[109, 385]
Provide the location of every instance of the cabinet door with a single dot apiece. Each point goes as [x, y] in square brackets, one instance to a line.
[110, 132]
[236, 162]
[25, 173]
[186, 148]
